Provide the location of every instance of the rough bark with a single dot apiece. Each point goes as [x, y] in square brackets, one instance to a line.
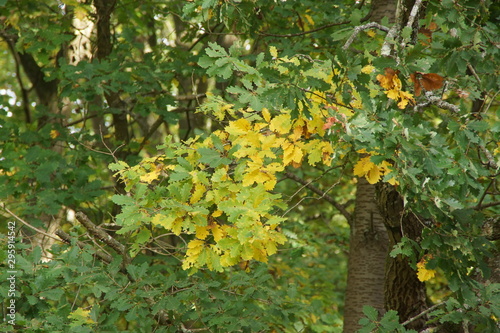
[367, 256]
[403, 291]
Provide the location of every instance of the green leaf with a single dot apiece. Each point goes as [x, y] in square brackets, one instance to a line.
[215, 50]
[370, 312]
[212, 157]
[123, 200]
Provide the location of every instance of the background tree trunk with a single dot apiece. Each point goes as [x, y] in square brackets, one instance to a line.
[368, 238]
[367, 256]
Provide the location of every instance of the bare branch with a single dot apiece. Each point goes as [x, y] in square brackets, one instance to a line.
[100, 254]
[423, 313]
[305, 32]
[438, 102]
[102, 235]
[360, 28]
[27, 224]
[491, 160]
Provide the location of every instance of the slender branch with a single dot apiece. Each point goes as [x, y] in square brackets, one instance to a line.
[474, 73]
[423, 313]
[360, 28]
[491, 161]
[27, 224]
[324, 195]
[304, 32]
[487, 205]
[68, 240]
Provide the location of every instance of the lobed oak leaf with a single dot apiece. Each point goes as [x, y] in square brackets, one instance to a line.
[218, 232]
[363, 166]
[429, 82]
[199, 190]
[424, 274]
[281, 124]
[201, 232]
[150, 176]
[238, 127]
[266, 114]
[373, 176]
[387, 80]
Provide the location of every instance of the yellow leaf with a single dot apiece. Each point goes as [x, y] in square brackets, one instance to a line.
[54, 134]
[238, 127]
[309, 19]
[201, 232]
[217, 232]
[424, 274]
[373, 176]
[195, 246]
[292, 153]
[150, 176]
[363, 166]
[259, 253]
[256, 176]
[271, 248]
[217, 213]
[393, 181]
[81, 315]
[266, 114]
[163, 220]
[392, 94]
[281, 124]
[273, 51]
[227, 260]
[199, 190]
[247, 251]
[367, 69]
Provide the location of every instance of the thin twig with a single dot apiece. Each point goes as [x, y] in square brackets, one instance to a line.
[423, 313]
[68, 240]
[297, 34]
[360, 28]
[29, 225]
[474, 73]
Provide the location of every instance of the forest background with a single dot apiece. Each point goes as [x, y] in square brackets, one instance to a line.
[249, 166]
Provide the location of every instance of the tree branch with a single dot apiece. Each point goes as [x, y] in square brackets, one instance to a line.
[304, 32]
[68, 240]
[27, 224]
[360, 28]
[423, 313]
[411, 18]
[103, 236]
[438, 102]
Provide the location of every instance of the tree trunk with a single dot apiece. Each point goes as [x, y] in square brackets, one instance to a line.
[368, 239]
[367, 256]
[403, 291]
